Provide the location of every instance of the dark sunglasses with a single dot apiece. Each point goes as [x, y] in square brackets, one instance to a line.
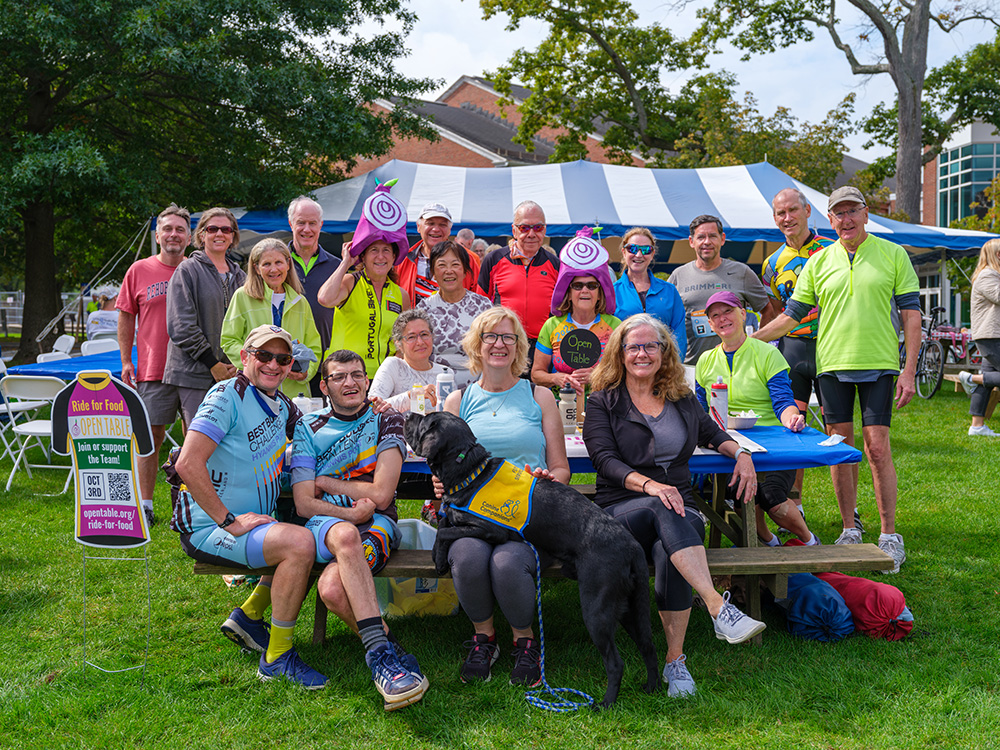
[531, 227]
[639, 249]
[263, 356]
[213, 230]
[577, 286]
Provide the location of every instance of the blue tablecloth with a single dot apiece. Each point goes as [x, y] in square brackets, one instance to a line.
[68, 369]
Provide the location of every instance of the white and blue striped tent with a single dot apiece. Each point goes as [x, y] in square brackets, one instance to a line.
[580, 193]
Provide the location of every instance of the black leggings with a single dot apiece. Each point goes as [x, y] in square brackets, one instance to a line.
[661, 532]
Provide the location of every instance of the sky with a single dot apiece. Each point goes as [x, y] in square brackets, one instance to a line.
[451, 39]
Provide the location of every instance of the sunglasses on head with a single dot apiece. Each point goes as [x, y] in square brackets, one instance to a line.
[577, 286]
[263, 356]
[639, 249]
[531, 227]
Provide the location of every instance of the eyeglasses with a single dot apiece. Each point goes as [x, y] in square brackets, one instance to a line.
[491, 338]
[525, 228]
[264, 356]
[577, 286]
[357, 376]
[650, 347]
[213, 230]
[853, 212]
[639, 249]
[411, 337]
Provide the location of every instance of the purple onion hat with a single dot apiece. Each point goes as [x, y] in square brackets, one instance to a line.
[382, 218]
[584, 256]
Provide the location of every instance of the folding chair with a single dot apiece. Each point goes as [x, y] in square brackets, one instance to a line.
[17, 408]
[51, 356]
[64, 344]
[96, 346]
[36, 388]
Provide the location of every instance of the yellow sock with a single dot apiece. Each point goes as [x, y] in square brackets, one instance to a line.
[258, 602]
[281, 639]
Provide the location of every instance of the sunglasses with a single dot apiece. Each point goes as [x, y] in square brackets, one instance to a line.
[525, 228]
[263, 356]
[577, 286]
[213, 230]
[639, 249]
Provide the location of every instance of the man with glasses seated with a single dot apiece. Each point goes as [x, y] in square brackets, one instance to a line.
[230, 467]
[345, 466]
[522, 276]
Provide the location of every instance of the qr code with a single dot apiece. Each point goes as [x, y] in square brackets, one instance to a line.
[119, 486]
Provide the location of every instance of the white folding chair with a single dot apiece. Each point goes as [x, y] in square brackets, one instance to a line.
[7, 417]
[51, 356]
[34, 388]
[64, 344]
[102, 335]
[96, 346]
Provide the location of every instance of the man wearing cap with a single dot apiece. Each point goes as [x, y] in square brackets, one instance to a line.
[707, 274]
[230, 467]
[434, 226]
[854, 282]
[345, 467]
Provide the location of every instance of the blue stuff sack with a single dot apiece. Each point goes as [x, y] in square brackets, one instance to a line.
[815, 610]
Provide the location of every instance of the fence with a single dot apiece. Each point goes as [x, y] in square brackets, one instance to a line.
[12, 313]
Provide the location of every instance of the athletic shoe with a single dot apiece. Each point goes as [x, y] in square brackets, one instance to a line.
[965, 378]
[397, 684]
[250, 635]
[733, 626]
[527, 669]
[293, 669]
[857, 522]
[849, 536]
[893, 547]
[483, 654]
[150, 517]
[680, 683]
[982, 431]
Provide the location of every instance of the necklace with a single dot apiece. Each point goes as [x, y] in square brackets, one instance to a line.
[503, 400]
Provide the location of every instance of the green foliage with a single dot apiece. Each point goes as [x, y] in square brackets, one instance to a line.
[990, 220]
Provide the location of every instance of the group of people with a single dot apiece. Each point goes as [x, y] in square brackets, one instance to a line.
[230, 349]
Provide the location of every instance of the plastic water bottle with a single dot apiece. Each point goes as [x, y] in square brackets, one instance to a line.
[445, 385]
[567, 409]
[718, 407]
[417, 403]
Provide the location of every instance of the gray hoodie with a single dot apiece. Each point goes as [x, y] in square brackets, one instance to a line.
[197, 299]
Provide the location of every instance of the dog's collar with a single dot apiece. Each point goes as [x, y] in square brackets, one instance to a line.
[470, 479]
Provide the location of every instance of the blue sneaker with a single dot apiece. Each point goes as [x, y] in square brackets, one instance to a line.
[397, 684]
[250, 635]
[292, 668]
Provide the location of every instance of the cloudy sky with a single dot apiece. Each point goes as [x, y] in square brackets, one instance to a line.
[451, 39]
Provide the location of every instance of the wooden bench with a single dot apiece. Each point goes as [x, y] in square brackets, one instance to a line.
[773, 565]
[994, 394]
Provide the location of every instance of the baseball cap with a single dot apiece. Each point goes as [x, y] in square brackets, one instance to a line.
[435, 209]
[726, 298]
[262, 334]
[845, 193]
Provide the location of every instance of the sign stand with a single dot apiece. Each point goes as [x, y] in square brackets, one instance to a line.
[103, 424]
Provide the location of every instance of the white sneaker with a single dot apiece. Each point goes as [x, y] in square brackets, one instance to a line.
[983, 431]
[849, 536]
[733, 626]
[893, 547]
[965, 378]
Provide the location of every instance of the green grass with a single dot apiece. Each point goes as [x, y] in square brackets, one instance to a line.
[938, 688]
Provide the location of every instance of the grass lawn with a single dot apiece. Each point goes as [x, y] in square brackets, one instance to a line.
[939, 688]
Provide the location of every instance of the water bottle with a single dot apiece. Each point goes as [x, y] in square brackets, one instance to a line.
[417, 403]
[718, 407]
[567, 409]
[445, 385]
[303, 404]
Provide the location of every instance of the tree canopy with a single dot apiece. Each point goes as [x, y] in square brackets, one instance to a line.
[117, 107]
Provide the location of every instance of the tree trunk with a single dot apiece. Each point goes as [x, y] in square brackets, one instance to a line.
[908, 72]
[41, 293]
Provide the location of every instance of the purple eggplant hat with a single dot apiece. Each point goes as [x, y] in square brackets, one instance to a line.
[382, 218]
[584, 256]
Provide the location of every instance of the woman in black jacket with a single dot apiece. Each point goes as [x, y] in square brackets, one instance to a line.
[643, 423]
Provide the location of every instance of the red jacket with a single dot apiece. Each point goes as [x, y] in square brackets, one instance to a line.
[525, 289]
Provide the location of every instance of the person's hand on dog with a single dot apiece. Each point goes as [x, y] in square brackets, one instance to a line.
[745, 477]
[438, 487]
[669, 495]
[540, 473]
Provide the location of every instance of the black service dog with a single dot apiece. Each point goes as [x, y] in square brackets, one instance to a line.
[606, 560]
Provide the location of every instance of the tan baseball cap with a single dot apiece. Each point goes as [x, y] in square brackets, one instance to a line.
[262, 334]
[845, 194]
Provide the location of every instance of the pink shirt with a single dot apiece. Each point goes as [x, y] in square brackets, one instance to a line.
[144, 294]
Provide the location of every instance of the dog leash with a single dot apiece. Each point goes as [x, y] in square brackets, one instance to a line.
[535, 697]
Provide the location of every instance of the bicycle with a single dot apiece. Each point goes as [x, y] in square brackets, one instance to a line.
[930, 358]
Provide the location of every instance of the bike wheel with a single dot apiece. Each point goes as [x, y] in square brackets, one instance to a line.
[930, 368]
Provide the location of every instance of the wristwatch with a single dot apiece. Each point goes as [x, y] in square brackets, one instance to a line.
[230, 518]
[740, 450]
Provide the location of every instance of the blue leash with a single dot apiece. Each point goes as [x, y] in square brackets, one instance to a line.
[534, 697]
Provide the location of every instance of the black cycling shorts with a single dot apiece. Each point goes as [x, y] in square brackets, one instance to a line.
[800, 353]
[875, 399]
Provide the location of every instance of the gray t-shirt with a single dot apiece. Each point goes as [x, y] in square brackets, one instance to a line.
[669, 434]
[696, 286]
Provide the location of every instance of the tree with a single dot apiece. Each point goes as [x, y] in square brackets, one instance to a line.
[596, 65]
[121, 106]
[902, 28]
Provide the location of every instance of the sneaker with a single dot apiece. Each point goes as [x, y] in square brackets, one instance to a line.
[849, 536]
[733, 626]
[293, 669]
[527, 669]
[857, 522]
[965, 378]
[150, 517]
[250, 635]
[982, 431]
[483, 654]
[680, 683]
[893, 547]
[397, 684]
